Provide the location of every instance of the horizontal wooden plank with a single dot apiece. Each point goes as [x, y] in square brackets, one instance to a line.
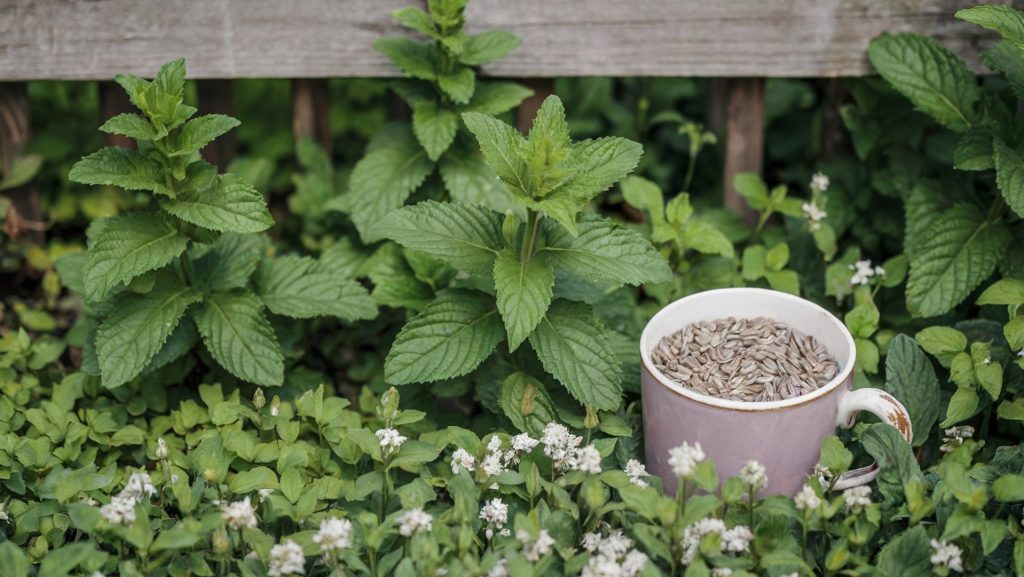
[95, 39]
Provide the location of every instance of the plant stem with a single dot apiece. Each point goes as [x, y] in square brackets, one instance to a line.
[186, 265]
[762, 221]
[384, 494]
[530, 236]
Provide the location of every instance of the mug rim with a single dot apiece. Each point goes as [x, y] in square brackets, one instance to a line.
[738, 292]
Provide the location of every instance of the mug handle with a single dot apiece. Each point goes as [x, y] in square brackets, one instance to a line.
[882, 405]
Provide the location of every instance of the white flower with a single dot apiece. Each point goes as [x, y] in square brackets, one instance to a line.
[534, 549]
[264, 493]
[685, 458]
[807, 499]
[495, 512]
[813, 214]
[793, 574]
[955, 437]
[615, 545]
[693, 534]
[390, 440]
[601, 566]
[857, 496]
[3, 513]
[590, 541]
[139, 487]
[119, 511]
[819, 182]
[521, 443]
[636, 471]
[633, 563]
[239, 514]
[823, 475]
[286, 559]
[863, 271]
[462, 459]
[588, 460]
[1020, 353]
[737, 539]
[491, 465]
[754, 475]
[413, 521]
[560, 445]
[334, 535]
[721, 572]
[500, 569]
[161, 448]
[97, 574]
[946, 555]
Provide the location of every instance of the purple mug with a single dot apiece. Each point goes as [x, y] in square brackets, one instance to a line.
[785, 436]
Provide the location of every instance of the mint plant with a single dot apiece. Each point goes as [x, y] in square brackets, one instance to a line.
[441, 84]
[193, 265]
[520, 273]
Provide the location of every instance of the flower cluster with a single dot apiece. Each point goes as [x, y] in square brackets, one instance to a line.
[495, 513]
[390, 440]
[819, 182]
[946, 556]
[560, 446]
[685, 458]
[863, 272]
[612, 556]
[335, 535]
[754, 475]
[534, 549]
[413, 521]
[461, 459]
[814, 215]
[857, 497]
[807, 499]
[588, 460]
[735, 540]
[286, 559]
[955, 437]
[636, 471]
[239, 514]
[814, 210]
[121, 508]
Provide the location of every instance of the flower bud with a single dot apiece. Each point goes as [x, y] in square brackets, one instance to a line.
[275, 406]
[258, 400]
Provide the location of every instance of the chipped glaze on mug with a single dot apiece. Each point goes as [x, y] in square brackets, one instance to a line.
[784, 435]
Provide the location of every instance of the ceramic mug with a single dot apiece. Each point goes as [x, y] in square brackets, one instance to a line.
[785, 436]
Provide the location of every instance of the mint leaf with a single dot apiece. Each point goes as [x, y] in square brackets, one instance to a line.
[934, 79]
[501, 145]
[1010, 176]
[129, 338]
[1009, 59]
[449, 338]
[962, 251]
[1009, 23]
[434, 127]
[383, 179]
[497, 97]
[604, 251]
[199, 132]
[910, 378]
[240, 338]
[230, 205]
[132, 126]
[416, 19]
[116, 166]
[974, 151]
[573, 345]
[907, 555]
[181, 341]
[599, 164]
[523, 292]
[469, 180]
[1007, 291]
[229, 262]
[416, 59]
[298, 287]
[128, 246]
[463, 236]
[488, 47]
[458, 85]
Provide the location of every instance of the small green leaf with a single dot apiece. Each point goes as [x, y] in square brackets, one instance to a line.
[752, 188]
[1010, 176]
[1005, 20]
[777, 257]
[458, 85]
[501, 146]
[1007, 291]
[240, 338]
[907, 555]
[114, 166]
[909, 377]
[231, 205]
[523, 290]
[942, 342]
[297, 287]
[573, 346]
[128, 246]
[132, 126]
[229, 262]
[416, 59]
[1008, 488]
[488, 47]
[974, 151]
[463, 236]
[13, 560]
[434, 127]
[449, 338]
[604, 251]
[199, 132]
[962, 406]
[526, 403]
[497, 97]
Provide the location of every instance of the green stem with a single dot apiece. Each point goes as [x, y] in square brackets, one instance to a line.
[762, 221]
[186, 265]
[803, 541]
[530, 236]
[384, 494]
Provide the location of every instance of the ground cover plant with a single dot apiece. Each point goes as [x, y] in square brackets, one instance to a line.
[430, 367]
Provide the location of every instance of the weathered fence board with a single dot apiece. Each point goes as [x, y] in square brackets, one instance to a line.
[94, 39]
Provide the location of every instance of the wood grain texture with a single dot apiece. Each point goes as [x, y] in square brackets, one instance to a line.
[95, 39]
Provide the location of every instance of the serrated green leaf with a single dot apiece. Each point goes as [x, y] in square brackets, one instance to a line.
[923, 207]
[1007, 58]
[469, 180]
[497, 97]
[416, 19]
[416, 59]
[1005, 20]
[115, 166]
[974, 151]
[909, 377]
[382, 181]
[573, 345]
[1007, 291]
[181, 341]
[1010, 176]
[488, 47]
[199, 132]
[463, 236]
[523, 290]
[604, 251]
[129, 338]
[598, 164]
[132, 126]
[449, 338]
[229, 262]
[934, 79]
[458, 85]
[501, 145]
[942, 342]
[962, 251]
[232, 205]
[298, 287]
[128, 246]
[240, 338]
[434, 127]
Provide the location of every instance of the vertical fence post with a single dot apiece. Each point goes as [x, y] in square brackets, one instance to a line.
[311, 111]
[833, 136]
[218, 97]
[113, 101]
[15, 129]
[542, 88]
[744, 141]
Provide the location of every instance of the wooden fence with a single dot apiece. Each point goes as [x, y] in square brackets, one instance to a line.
[738, 43]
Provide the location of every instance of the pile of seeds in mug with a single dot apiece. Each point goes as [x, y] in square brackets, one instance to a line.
[758, 359]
